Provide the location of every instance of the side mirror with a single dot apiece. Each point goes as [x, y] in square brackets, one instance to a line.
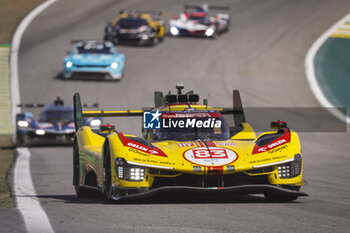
[278, 124]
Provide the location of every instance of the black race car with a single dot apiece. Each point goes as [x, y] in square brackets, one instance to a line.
[136, 27]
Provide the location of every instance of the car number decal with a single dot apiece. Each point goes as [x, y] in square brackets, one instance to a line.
[211, 156]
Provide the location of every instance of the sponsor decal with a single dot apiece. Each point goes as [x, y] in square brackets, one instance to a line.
[272, 145]
[45, 125]
[226, 144]
[285, 138]
[191, 144]
[210, 156]
[140, 147]
[191, 115]
[278, 149]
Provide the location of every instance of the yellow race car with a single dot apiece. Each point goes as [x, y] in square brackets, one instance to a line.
[186, 146]
[136, 27]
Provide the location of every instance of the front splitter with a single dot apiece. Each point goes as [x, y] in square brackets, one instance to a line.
[236, 190]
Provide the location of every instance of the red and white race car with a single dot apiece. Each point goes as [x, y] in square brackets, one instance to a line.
[196, 21]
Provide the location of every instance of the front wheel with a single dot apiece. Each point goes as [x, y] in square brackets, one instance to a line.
[80, 191]
[108, 189]
[154, 41]
[22, 139]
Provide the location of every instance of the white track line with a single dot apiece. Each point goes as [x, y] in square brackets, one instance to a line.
[310, 71]
[34, 216]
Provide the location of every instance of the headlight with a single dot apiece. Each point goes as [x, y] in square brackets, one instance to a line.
[144, 37]
[209, 32]
[95, 122]
[290, 170]
[23, 124]
[174, 31]
[129, 173]
[69, 64]
[40, 132]
[114, 65]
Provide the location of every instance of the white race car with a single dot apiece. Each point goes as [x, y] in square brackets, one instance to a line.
[196, 21]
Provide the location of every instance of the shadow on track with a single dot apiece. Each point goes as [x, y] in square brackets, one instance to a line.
[172, 198]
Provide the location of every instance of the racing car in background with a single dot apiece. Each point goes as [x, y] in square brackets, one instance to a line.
[54, 126]
[197, 21]
[186, 146]
[94, 59]
[136, 27]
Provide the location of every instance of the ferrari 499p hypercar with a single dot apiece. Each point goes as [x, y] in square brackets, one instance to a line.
[54, 126]
[94, 59]
[136, 27]
[186, 146]
[197, 21]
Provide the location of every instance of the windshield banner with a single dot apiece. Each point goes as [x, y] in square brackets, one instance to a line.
[157, 120]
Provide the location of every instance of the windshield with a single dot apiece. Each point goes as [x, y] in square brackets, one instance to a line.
[53, 116]
[132, 23]
[201, 20]
[94, 48]
[211, 127]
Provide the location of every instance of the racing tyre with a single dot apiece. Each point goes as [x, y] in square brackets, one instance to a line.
[108, 190]
[80, 191]
[22, 140]
[154, 41]
[115, 40]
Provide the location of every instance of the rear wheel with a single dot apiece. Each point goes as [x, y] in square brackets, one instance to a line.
[80, 191]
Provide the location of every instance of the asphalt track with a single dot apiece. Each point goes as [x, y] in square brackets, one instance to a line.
[262, 56]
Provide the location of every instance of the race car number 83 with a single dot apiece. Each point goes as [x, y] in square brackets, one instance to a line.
[211, 156]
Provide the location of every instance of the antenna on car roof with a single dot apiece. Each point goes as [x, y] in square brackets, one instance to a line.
[179, 87]
[58, 101]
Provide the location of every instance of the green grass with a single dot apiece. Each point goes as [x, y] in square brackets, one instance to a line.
[6, 159]
[11, 14]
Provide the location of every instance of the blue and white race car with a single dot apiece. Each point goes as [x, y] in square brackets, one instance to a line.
[54, 126]
[94, 59]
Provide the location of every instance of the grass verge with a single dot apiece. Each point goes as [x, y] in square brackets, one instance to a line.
[11, 13]
[6, 159]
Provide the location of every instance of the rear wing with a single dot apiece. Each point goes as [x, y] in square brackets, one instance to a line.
[154, 13]
[206, 7]
[36, 105]
[79, 115]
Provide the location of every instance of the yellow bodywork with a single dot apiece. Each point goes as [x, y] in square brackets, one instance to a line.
[156, 24]
[171, 155]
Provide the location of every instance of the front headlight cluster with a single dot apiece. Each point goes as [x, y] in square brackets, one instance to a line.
[291, 169]
[69, 64]
[129, 172]
[23, 124]
[174, 31]
[114, 65]
[40, 132]
[209, 32]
